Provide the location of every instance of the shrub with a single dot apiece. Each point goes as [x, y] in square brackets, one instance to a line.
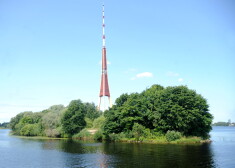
[173, 135]
[99, 122]
[98, 136]
[52, 132]
[30, 130]
[116, 137]
[129, 134]
[138, 131]
[88, 122]
[83, 134]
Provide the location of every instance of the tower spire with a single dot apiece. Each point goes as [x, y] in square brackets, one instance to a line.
[104, 87]
[103, 27]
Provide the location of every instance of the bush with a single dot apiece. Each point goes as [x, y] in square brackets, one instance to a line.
[30, 130]
[52, 132]
[116, 137]
[98, 136]
[129, 134]
[83, 134]
[88, 122]
[138, 131]
[99, 122]
[173, 135]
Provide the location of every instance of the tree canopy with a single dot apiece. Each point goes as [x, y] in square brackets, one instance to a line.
[56, 121]
[73, 120]
[161, 109]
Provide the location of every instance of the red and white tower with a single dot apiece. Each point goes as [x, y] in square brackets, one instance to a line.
[105, 100]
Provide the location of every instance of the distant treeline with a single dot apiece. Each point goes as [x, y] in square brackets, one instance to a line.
[4, 125]
[221, 123]
[171, 112]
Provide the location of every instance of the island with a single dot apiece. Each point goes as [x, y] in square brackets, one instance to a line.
[174, 114]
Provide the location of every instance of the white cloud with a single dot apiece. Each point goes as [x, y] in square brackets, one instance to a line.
[175, 75]
[143, 75]
[180, 80]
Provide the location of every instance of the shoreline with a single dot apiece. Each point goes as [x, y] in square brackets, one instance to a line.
[145, 141]
[160, 140]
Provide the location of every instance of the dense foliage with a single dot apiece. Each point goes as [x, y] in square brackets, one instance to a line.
[161, 109]
[73, 120]
[158, 113]
[56, 121]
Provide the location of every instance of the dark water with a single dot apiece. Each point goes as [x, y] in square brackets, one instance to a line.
[29, 153]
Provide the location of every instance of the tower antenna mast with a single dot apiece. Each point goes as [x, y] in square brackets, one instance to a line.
[104, 87]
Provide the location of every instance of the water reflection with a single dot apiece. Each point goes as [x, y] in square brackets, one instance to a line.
[79, 153]
[152, 155]
[17, 152]
[134, 155]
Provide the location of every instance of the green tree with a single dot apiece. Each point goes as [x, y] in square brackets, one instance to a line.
[173, 108]
[73, 119]
[91, 111]
[122, 116]
[181, 109]
[15, 120]
[30, 130]
[27, 123]
[51, 120]
[121, 100]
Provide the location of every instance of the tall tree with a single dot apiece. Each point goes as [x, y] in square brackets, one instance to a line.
[73, 120]
[91, 111]
[181, 109]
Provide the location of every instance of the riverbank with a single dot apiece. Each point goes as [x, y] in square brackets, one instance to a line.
[185, 140]
[192, 140]
[86, 135]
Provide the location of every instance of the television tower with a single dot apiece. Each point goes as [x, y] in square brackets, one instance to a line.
[104, 87]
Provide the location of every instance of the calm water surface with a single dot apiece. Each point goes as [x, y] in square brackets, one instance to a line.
[29, 153]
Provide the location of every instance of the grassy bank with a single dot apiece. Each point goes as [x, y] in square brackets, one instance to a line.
[185, 140]
[34, 137]
[91, 135]
[97, 135]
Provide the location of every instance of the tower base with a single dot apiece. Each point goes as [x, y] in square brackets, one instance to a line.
[104, 103]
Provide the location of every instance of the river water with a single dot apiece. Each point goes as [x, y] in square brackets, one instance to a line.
[34, 153]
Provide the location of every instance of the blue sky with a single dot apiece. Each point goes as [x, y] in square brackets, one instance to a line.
[50, 51]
